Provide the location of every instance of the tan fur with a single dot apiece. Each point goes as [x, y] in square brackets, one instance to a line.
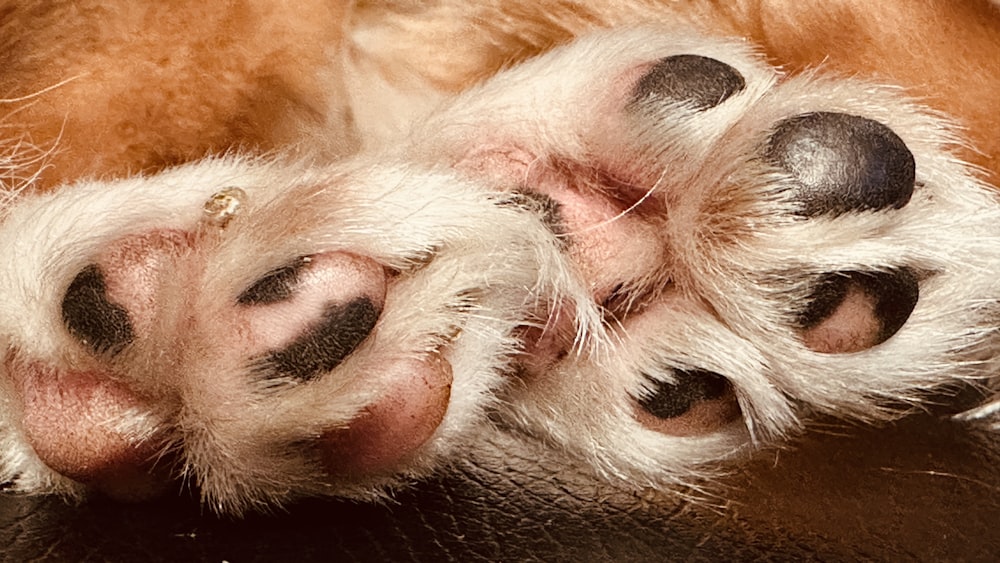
[134, 87]
[154, 85]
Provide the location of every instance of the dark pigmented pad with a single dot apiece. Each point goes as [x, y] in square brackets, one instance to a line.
[275, 286]
[543, 206]
[671, 400]
[843, 163]
[894, 294]
[93, 320]
[699, 81]
[325, 345]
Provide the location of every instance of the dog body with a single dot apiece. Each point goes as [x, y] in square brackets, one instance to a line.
[642, 246]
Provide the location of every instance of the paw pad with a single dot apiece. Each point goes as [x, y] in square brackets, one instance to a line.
[91, 317]
[274, 286]
[843, 163]
[670, 400]
[853, 311]
[325, 345]
[696, 402]
[699, 81]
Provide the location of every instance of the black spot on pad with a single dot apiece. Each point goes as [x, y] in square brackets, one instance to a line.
[671, 400]
[93, 320]
[699, 81]
[843, 163]
[894, 293]
[341, 329]
[275, 286]
[544, 207]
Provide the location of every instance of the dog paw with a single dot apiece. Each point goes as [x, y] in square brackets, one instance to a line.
[262, 331]
[760, 247]
[647, 248]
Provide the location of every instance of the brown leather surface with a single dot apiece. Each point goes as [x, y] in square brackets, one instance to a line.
[925, 489]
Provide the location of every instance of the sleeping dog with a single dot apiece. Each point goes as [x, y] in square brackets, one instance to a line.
[641, 242]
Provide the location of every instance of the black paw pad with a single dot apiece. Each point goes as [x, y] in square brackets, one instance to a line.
[892, 295]
[543, 206]
[843, 163]
[671, 400]
[692, 79]
[275, 286]
[91, 318]
[340, 330]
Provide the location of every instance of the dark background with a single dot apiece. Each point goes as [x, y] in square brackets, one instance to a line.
[923, 489]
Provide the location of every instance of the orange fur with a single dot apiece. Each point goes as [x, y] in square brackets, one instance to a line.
[147, 85]
[153, 85]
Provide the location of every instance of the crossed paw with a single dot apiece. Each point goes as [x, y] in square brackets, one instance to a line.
[648, 249]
